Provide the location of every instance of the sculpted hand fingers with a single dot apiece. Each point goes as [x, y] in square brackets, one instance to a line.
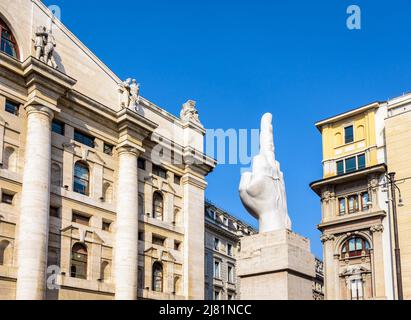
[267, 138]
[245, 181]
[261, 167]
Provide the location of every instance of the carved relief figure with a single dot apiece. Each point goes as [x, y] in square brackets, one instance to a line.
[40, 43]
[134, 93]
[262, 191]
[124, 91]
[189, 112]
[44, 44]
[49, 50]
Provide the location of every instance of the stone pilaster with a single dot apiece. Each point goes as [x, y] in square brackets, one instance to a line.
[330, 267]
[126, 243]
[35, 206]
[193, 208]
[377, 232]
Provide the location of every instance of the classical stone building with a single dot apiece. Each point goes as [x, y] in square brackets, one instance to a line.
[398, 138]
[222, 243]
[102, 192]
[361, 147]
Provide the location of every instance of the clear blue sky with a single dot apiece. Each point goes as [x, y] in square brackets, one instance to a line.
[239, 59]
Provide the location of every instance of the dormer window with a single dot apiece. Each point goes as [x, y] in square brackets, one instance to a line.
[8, 43]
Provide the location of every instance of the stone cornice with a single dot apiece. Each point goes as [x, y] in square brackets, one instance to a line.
[353, 218]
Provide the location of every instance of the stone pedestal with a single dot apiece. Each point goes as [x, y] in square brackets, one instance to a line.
[276, 266]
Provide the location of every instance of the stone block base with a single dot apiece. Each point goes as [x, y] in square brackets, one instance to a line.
[276, 266]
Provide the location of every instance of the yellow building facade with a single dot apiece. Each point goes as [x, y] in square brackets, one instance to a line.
[358, 203]
[355, 225]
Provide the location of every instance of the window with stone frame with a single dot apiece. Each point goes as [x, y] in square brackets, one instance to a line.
[355, 247]
[81, 178]
[79, 260]
[158, 206]
[158, 276]
[8, 43]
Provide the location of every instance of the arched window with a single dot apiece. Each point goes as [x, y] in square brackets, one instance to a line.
[177, 285]
[108, 192]
[105, 271]
[158, 206]
[79, 258]
[338, 139]
[8, 43]
[56, 175]
[157, 277]
[82, 178]
[356, 247]
[10, 159]
[177, 216]
[141, 205]
[6, 255]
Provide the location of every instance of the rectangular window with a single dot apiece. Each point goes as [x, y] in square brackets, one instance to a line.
[365, 199]
[159, 172]
[12, 107]
[158, 241]
[58, 127]
[230, 296]
[361, 162]
[177, 245]
[353, 204]
[340, 167]
[84, 139]
[177, 180]
[108, 149]
[230, 274]
[351, 165]
[230, 249]
[7, 198]
[217, 295]
[141, 164]
[55, 212]
[106, 226]
[216, 244]
[217, 269]
[349, 134]
[342, 207]
[80, 219]
[141, 236]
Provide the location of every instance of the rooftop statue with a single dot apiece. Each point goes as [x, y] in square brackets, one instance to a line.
[189, 112]
[44, 45]
[262, 191]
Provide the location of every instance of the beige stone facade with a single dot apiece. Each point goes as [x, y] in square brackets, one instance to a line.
[87, 211]
[223, 233]
[398, 137]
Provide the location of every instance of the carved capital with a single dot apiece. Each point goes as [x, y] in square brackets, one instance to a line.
[327, 237]
[377, 228]
[39, 109]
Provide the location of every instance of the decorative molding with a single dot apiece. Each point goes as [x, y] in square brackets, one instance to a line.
[327, 237]
[377, 228]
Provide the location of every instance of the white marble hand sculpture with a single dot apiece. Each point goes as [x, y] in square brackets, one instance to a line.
[262, 191]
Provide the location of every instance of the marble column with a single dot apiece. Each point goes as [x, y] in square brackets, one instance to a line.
[35, 206]
[126, 252]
